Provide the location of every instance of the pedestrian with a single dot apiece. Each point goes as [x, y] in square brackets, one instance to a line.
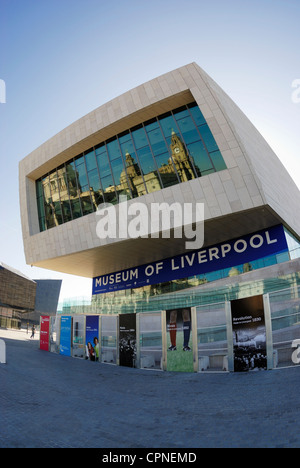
[32, 331]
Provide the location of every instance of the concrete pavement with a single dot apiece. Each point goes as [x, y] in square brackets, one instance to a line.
[48, 400]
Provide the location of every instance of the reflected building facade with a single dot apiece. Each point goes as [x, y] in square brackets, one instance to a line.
[173, 148]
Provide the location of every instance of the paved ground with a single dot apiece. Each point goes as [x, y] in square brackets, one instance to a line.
[48, 400]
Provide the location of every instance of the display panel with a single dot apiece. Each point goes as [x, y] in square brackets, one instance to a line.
[150, 337]
[179, 340]
[127, 340]
[212, 338]
[109, 339]
[249, 334]
[78, 336]
[44, 332]
[92, 337]
[65, 335]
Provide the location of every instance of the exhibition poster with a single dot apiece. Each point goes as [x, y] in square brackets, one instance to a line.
[127, 340]
[179, 340]
[249, 334]
[44, 332]
[65, 335]
[92, 337]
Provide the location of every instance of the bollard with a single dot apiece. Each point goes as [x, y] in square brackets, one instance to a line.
[2, 352]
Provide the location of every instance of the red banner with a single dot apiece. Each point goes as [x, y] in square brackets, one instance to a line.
[44, 333]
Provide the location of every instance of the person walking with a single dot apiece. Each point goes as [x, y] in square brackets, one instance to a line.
[32, 331]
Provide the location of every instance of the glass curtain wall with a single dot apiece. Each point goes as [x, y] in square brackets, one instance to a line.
[212, 338]
[150, 342]
[167, 150]
[212, 329]
[109, 349]
[78, 347]
[285, 318]
[54, 335]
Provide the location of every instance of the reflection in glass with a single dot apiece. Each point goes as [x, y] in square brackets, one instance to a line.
[200, 157]
[208, 138]
[83, 186]
[78, 347]
[218, 160]
[40, 205]
[95, 188]
[188, 130]
[196, 114]
[73, 190]
[157, 141]
[52, 204]
[90, 160]
[109, 339]
[64, 194]
[181, 159]
[168, 125]
[109, 189]
[175, 147]
[150, 341]
[212, 338]
[139, 137]
[132, 175]
[149, 169]
[119, 175]
[285, 319]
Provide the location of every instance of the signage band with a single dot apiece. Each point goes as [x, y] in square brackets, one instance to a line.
[217, 257]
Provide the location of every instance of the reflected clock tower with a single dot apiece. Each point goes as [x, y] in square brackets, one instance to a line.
[181, 159]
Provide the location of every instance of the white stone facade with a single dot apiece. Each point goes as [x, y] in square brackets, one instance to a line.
[254, 192]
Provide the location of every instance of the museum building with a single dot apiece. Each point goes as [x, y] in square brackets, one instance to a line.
[159, 300]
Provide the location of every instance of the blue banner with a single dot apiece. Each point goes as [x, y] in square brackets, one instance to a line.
[220, 256]
[65, 335]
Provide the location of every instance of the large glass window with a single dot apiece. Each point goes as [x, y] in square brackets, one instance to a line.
[208, 138]
[70, 174]
[200, 157]
[166, 150]
[83, 186]
[64, 193]
[40, 205]
[196, 114]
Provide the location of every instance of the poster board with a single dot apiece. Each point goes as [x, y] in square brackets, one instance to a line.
[92, 337]
[44, 332]
[127, 340]
[179, 340]
[65, 335]
[249, 334]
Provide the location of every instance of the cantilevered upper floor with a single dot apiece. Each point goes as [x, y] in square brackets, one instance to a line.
[176, 138]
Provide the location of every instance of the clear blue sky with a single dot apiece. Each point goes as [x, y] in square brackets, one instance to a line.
[60, 59]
